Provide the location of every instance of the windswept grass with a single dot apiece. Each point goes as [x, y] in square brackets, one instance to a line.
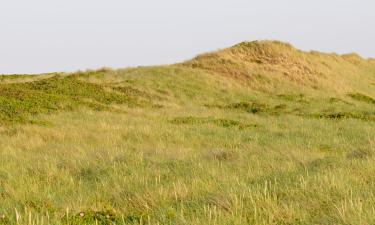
[260, 133]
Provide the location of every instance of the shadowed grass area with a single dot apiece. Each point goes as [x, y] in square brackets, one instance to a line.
[260, 133]
[362, 97]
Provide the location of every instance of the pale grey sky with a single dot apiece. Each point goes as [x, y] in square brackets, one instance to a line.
[66, 35]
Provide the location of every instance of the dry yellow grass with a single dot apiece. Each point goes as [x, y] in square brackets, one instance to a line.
[270, 63]
[260, 133]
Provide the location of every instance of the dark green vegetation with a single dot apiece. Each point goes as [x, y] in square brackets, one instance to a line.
[363, 98]
[20, 101]
[218, 122]
[260, 133]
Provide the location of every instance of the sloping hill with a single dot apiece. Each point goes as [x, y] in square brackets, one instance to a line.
[261, 69]
[259, 133]
[275, 63]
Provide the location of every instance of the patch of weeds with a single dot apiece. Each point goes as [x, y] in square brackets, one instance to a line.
[258, 108]
[40, 123]
[96, 217]
[362, 98]
[359, 154]
[226, 123]
[251, 107]
[293, 97]
[338, 115]
[247, 126]
[20, 101]
[342, 115]
[188, 120]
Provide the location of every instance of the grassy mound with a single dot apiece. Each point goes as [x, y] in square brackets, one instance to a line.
[269, 65]
[259, 133]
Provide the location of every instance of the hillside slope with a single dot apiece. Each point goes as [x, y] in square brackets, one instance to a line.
[259, 133]
[275, 63]
[271, 71]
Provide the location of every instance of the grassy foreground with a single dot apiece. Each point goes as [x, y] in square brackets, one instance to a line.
[260, 133]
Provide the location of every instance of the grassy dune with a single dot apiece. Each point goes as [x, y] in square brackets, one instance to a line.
[260, 133]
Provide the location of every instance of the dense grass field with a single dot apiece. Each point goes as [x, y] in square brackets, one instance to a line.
[260, 133]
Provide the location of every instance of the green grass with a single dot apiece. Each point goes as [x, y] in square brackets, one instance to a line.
[191, 143]
[20, 101]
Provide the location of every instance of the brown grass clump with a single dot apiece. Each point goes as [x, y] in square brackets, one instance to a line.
[276, 54]
[269, 63]
[243, 61]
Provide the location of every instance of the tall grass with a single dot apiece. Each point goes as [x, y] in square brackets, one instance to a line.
[183, 145]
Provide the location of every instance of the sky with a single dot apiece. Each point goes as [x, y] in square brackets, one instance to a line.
[42, 36]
